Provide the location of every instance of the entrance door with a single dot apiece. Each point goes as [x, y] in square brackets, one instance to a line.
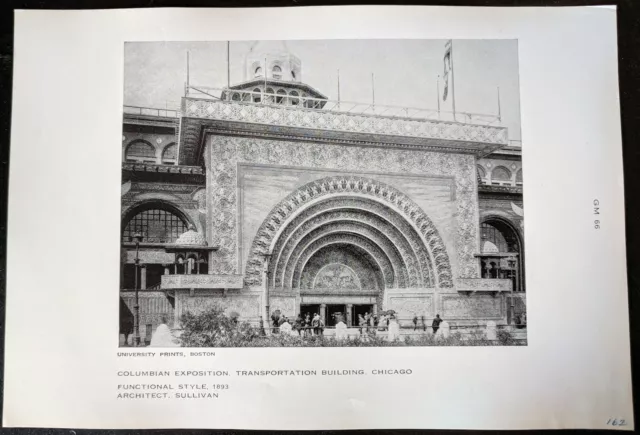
[335, 314]
[311, 309]
[361, 310]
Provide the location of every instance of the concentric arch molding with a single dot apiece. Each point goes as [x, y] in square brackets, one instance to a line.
[384, 263]
[383, 236]
[325, 187]
[354, 209]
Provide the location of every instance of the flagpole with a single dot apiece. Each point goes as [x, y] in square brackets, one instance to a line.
[188, 72]
[228, 66]
[438, 95]
[499, 111]
[453, 86]
[264, 99]
[338, 88]
[373, 91]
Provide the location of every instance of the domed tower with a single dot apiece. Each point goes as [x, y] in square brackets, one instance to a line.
[274, 59]
[191, 252]
[273, 75]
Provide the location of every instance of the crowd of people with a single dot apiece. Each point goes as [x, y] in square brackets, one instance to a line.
[372, 322]
[313, 324]
[304, 326]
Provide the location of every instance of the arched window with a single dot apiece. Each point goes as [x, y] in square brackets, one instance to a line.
[501, 252]
[280, 96]
[277, 72]
[140, 151]
[256, 95]
[500, 175]
[235, 96]
[268, 97]
[295, 100]
[482, 175]
[258, 72]
[169, 154]
[519, 177]
[157, 224]
[493, 240]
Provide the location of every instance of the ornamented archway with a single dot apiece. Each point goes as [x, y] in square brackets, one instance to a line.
[420, 250]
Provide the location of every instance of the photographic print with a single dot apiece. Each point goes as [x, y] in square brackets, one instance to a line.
[322, 193]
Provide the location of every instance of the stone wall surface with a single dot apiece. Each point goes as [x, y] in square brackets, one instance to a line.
[287, 305]
[472, 307]
[408, 305]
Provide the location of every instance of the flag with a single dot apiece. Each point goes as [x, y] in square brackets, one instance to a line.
[447, 69]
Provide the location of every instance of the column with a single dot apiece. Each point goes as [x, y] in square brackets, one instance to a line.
[266, 315]
[349, 315]
[143, 277]
[323, 312]
[375, 309]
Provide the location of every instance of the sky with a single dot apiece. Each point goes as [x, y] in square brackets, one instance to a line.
[406, 72]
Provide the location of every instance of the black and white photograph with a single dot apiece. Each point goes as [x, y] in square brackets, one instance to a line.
[322, 193]
[321, 203]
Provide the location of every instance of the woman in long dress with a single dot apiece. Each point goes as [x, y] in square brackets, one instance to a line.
[361, 323]
[162, 337]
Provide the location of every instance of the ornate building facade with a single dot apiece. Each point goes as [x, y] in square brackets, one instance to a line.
[270, 197]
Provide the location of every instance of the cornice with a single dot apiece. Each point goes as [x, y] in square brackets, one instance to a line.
[202, 117]
[486, 188]
[165, 169]
[149, 120]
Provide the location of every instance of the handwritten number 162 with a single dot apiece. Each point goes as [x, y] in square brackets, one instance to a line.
[616, 422]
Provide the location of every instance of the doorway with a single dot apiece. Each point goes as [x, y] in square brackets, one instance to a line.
[310, 309]
[336, 314]
[361, 310]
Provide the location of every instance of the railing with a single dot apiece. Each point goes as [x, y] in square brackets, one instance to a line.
[292, 101]
[149, 111]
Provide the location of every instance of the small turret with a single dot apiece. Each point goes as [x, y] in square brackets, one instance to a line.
[273, 76]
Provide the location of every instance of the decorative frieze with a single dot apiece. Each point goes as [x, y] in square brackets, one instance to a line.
[341, 121]
[201, 282]
[483, 285]
[337, 299]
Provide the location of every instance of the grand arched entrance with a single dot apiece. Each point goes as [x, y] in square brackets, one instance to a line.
[339, 243]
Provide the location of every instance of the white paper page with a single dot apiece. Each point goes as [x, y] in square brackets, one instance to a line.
[64, 365]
